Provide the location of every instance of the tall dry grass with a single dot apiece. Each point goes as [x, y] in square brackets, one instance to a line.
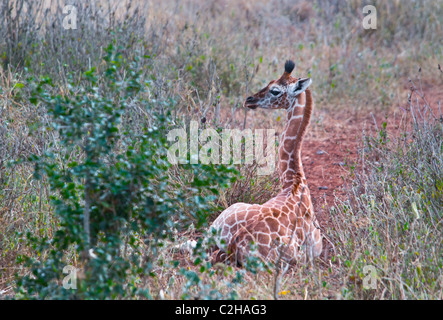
[206, 57]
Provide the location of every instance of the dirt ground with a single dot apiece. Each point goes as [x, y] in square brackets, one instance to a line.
[330, 149]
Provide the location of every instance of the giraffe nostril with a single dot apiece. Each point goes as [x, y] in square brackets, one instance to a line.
[250, 99]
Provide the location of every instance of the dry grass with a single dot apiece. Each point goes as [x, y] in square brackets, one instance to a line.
[206, 57]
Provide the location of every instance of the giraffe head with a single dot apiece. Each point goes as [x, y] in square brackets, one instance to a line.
[280, 93]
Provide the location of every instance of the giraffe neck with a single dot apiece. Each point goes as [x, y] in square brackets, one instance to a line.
[298, 116]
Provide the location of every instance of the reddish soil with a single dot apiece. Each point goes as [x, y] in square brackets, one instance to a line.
[331, 148]
[327, 154]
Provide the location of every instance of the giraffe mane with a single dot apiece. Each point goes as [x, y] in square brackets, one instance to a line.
[302, 131]
[297, 182]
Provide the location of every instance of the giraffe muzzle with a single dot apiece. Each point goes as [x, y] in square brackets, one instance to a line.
[251, 103]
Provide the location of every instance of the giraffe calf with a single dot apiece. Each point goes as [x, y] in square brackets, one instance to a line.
[283, 228]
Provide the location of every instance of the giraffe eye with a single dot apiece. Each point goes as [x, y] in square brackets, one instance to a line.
[275, 92]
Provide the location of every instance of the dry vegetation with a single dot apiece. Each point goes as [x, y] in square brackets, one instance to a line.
[205, 57]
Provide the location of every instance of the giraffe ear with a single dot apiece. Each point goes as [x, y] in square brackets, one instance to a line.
[300, 86]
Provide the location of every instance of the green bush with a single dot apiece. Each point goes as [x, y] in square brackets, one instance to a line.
[109, 186]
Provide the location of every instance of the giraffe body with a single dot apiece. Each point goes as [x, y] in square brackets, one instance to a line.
[275, 227]
[283, 227]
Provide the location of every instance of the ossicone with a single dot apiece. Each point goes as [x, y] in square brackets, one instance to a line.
[289, 66]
